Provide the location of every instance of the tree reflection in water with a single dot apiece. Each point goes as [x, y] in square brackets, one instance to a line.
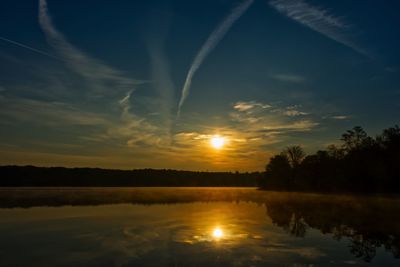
[367, 224]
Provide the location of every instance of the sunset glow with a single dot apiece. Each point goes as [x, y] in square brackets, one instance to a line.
[217, 233]
[176, 89]
[217, 142]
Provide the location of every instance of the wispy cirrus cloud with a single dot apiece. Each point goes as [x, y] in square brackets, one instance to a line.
[318, 19]
[48, 113]
[340, 117]
[250, 106]
[254, 107]
[129, 128]
[256, 119]
[100, 75]
[137, 131]
[161, 77]
[292, 111]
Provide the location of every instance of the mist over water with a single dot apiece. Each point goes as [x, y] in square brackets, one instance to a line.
[195, 227]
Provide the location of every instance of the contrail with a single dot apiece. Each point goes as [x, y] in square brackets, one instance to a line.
[28, 47]
[318, 19]
[209, 45]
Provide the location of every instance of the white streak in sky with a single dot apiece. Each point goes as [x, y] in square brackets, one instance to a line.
[102, 80]
[158, 26]
[209, 45]
[317, 19]
[162, 81]
[28, 47]
[100, 75]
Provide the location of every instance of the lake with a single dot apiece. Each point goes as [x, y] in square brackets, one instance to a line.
[195, 227]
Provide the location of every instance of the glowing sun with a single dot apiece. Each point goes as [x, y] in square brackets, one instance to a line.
[217, 141]
[217, 233]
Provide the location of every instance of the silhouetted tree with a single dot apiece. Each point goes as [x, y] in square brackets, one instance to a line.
[353, 139]
[361, 164]
[335, 152]
[295, 154]
[277, 173]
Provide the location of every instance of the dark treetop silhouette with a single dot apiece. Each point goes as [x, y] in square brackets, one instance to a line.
[58, 176]
[361, 164]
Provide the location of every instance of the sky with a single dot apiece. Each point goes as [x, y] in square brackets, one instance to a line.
[147, 83]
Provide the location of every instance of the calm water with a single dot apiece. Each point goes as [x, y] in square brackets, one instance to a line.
[195, 227]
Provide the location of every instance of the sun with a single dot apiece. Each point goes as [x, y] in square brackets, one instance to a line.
[217, 141]
[217, 233]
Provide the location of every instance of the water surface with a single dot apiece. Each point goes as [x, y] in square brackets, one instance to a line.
[195, 227]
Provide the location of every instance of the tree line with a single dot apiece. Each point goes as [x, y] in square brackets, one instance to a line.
[59, 176]
[361, 163]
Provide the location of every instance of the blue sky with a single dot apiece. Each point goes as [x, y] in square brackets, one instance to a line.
[88, 83]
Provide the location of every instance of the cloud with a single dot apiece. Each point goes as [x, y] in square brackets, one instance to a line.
[128, 129]
[252, 118]
[101, 76]
[257, 129]
[212, 41]
[291, 78]
[120, 138]
[253, 132]
[162, 81]
[242, 151]
[48, 113]
[136, 130]
[250, 106]
[317, 19]
[340, 117]
[293, 111]
[302, 125]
